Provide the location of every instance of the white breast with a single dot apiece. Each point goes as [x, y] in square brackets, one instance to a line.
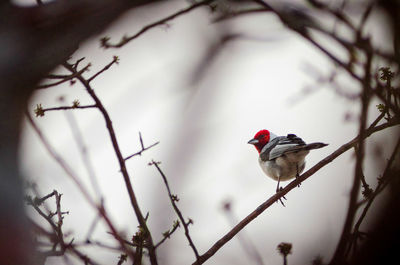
[286, 167]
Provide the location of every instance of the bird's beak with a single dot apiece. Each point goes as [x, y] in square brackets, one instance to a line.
[253, 141]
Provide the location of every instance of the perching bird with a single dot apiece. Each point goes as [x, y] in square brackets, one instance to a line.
[282, 157]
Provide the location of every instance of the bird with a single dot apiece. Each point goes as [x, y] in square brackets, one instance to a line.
[282, 157]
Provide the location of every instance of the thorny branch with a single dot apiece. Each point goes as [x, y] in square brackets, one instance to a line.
[39, 110]
[143, 148]
[383, 181]
[174, 199]
[56, 237]
[64, 78]
[105, 68]
[121, 160]
[68, 170]
[167, 234]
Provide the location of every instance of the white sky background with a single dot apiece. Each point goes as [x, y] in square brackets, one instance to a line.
[255, 82]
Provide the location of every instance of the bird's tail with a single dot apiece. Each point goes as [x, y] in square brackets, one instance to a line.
[306, 147]
[314, 146]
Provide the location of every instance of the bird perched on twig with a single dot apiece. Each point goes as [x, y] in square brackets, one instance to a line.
[282, 157]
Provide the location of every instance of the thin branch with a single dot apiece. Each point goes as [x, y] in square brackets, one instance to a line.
[65, 78]
[336, 12]
[236, 14]
[246, 243]
[121, 161]
[44, 215]
[168, 234]
[142, 146]
[84, 154]
[97, 244]
[383, 181]
[173, 199]
[260, 209]
[92, 227]
[126, 39]
[70, 108]
[100, 209]
[345, 237]
[105, 68]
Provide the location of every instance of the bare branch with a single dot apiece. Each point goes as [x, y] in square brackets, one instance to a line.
[142, 146]
[100, 209]
[65, 78]
[168, 233]
[117, 150]
[339, 256]
[173, 199]
[70, 108]
[125, 40]
[383, 181]
[114, 61]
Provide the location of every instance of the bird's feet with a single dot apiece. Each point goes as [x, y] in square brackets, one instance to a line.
[279, 189]
[297, 175]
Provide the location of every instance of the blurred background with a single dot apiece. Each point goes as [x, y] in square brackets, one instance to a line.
[203, 89]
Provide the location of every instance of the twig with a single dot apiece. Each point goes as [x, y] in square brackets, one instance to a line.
[142, 146]
[70, 108]
[339, 256]
[121, 161]
[247, 245]
[241, 13]
[60, 220]
[383, 181]
[114, 61]
[84, 154]
[126, 39]
[92, 227]
[41, 213]
[168, 234]
[173, 199]
[65, 78]
[260, 209]
[100, 209]
[336, 12]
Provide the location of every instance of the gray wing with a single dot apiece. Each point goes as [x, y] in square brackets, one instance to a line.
[281, 145]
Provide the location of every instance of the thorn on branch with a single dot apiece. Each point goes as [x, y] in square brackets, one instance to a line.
[143, 148]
